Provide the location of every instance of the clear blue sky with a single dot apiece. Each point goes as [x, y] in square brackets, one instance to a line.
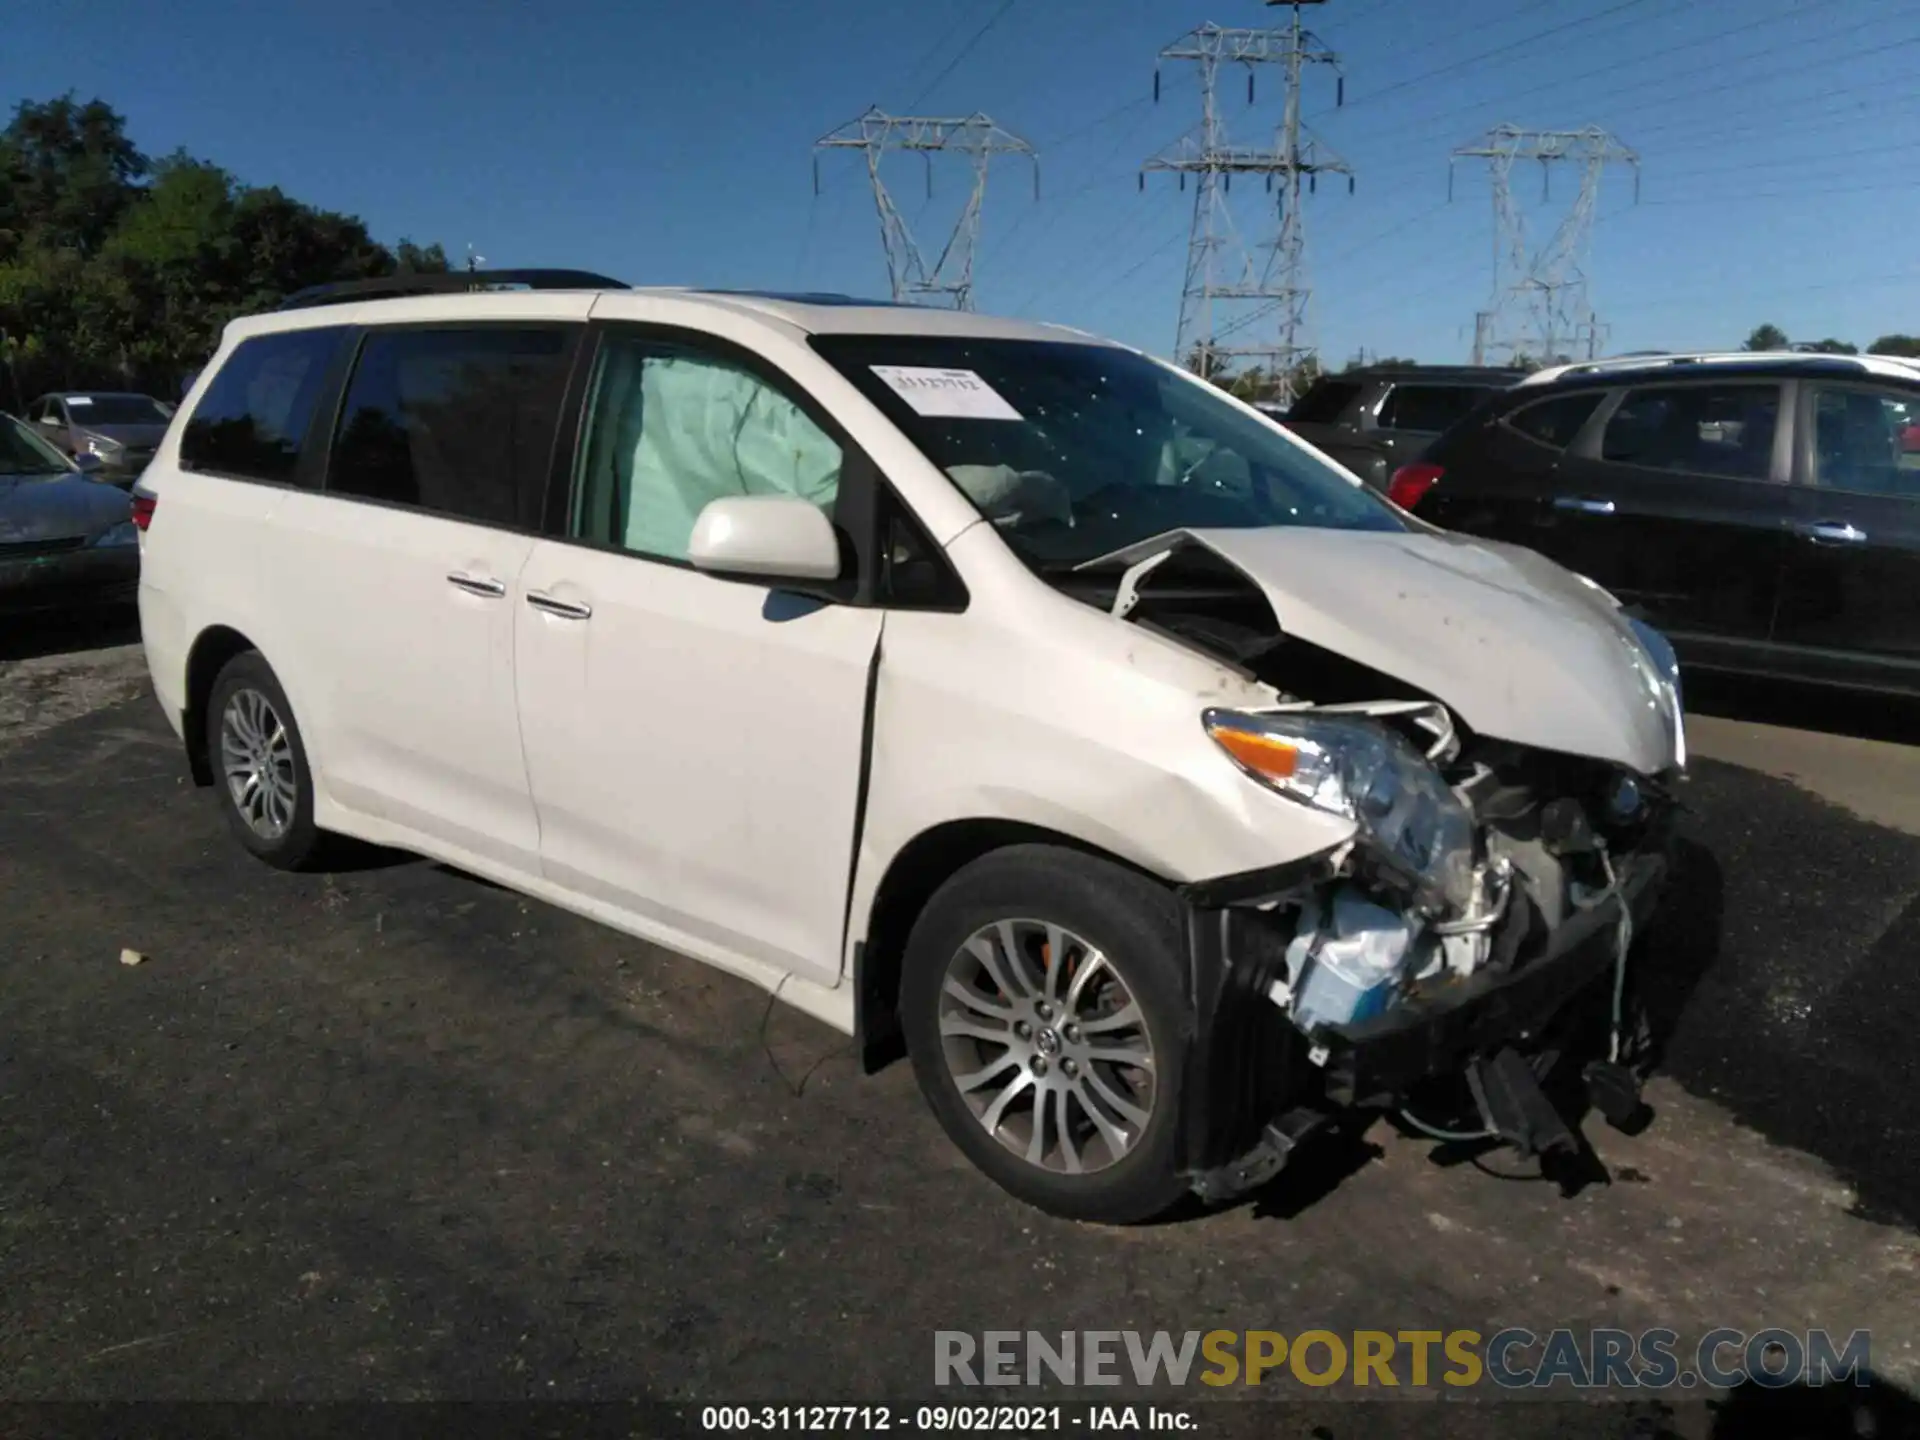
[671, 143]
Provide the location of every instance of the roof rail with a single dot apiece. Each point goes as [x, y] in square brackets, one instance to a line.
[1692, 357]
[449, 283]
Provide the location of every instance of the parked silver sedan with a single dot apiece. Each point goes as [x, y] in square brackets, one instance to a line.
[120, 430]
[67, 538]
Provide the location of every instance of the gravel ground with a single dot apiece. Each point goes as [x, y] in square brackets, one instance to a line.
[53, 673]
[394, 1132]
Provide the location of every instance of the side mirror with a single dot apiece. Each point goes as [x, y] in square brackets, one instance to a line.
[87, 462]
[768, 537]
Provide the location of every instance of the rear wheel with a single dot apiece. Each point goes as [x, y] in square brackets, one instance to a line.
[260, 764]
[1045, 1013]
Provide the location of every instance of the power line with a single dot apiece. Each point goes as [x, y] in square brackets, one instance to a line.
[1736, 197]
[1737, 82]
[964, 51]
[1560, 86]
[1088, 274]
[1512, 45]
[1768, 292]
[1850, 115]
[938, 45]
[1100, 178]
[1820, 160]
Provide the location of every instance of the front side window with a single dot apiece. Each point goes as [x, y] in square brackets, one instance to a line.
[255, 413]
[1863, 441]
[1555, 422]
[670, 429]
[1705, 429]
[456, 420]
[1429, 407]
[1075, 450]
[24, 453]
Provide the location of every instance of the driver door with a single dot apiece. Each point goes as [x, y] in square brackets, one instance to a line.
[694, 743]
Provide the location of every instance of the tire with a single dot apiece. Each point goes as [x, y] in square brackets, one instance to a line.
[1127, 1171]
[246, 689]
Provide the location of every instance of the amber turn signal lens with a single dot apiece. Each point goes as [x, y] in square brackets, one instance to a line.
[1265, 754]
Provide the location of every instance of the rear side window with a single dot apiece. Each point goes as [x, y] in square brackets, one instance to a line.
[1705, 429]
[1429, 407]
[255, 413]
[1325, 401]
[459, 421]
[1555, 422]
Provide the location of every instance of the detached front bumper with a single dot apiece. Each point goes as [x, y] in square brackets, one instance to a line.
[1255, 1084]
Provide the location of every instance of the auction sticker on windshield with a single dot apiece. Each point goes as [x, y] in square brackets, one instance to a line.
[946, 394]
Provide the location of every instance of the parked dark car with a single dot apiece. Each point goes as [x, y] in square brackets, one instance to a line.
[1764, 512]
[121, 430]
[67, 539]
[1375, 419]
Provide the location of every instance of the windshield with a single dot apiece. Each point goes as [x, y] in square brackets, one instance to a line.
[1076, 450]
[115, 410]
[24, 453]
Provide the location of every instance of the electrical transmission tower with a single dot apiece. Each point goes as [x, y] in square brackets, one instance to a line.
[975, 137]
[1226, 294]
[1541, 307]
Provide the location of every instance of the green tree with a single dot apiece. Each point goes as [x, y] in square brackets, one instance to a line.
[117, 269]
[1766, 337]
[1908, 345]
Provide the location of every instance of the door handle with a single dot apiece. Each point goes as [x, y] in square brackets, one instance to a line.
[1582, 504]
[564, 609]
[1832, 532]
[481, 585]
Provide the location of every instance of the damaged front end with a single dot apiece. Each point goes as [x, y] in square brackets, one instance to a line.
[1492, 885]
[1354, 977]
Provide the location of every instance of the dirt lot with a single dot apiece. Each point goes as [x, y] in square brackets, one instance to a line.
[398, 1133]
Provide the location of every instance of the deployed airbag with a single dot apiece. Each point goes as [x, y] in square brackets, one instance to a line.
[705, 432]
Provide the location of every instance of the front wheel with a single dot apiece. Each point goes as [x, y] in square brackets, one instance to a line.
[1045, 1011]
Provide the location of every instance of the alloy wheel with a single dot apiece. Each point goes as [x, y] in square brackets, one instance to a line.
[256, 757]
[1047, 1046]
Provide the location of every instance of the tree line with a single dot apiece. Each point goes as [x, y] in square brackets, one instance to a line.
[1772, 337]
[118, 270]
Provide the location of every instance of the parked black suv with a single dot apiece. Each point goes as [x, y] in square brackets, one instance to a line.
[1763, 511]
[1379, 417]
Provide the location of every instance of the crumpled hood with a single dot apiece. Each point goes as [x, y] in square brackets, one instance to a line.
[1520, 648]
[58, 507]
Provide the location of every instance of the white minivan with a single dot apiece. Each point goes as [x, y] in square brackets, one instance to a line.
[981, 688]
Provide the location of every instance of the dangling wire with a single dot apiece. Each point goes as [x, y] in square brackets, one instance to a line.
[1439, 1134]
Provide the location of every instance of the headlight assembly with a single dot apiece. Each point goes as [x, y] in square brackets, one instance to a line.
[1359, 769]
[1665, 668]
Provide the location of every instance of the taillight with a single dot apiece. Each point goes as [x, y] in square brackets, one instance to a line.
[1410, 483]
[143, 508]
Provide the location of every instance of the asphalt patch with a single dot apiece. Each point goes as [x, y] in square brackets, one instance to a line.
[1787, 970]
